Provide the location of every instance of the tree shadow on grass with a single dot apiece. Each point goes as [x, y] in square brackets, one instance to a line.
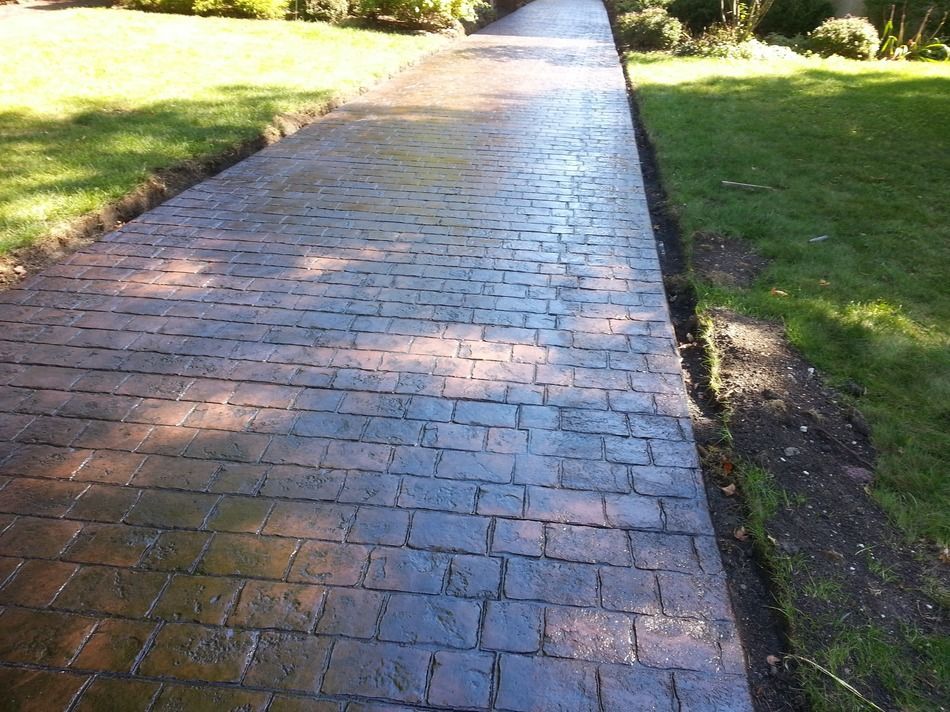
[857, 154]
[99, 152]
[857, 157]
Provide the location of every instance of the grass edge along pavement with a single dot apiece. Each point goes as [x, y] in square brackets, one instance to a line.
[864, 304]
[155, 92]
[853, 149]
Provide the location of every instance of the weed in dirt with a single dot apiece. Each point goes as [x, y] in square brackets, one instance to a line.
[860, 628]
[762, 498]
[822, 589]
[885, 573]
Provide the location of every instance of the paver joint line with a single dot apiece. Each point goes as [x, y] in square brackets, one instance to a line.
[389, 413]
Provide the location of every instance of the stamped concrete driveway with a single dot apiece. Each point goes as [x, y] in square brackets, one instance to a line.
[388, 416]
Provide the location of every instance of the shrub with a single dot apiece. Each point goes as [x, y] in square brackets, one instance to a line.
[623, 6]
[333, 11]
[652, 29]
[852, 37]
[484, 14]
[178, 7]
[420, 13]
[720, 41]
[795, 17]
[253, 9]
[798, 43]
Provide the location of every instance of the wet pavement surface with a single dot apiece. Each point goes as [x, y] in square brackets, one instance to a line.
[387, 416]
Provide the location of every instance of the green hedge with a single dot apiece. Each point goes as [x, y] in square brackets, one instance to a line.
[430, 14]
[333, 11]
[177, 7]
[254, 9]
[651, 29]
[419, 13]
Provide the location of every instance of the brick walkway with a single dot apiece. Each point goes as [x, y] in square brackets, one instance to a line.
[388, 414]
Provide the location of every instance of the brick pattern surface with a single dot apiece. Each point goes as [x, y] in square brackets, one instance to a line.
[387, 416]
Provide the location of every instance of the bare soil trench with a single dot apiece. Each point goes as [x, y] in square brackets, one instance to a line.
[816, 445]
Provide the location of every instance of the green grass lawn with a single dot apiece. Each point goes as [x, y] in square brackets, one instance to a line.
[94, 100]
[860, 152]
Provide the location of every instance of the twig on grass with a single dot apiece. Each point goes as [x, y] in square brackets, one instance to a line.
[745, 186]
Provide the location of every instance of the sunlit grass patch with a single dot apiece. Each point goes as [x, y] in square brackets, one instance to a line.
[857, 152]
[94, 100]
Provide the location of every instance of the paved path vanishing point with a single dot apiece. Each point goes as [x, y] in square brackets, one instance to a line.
[388, 416]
